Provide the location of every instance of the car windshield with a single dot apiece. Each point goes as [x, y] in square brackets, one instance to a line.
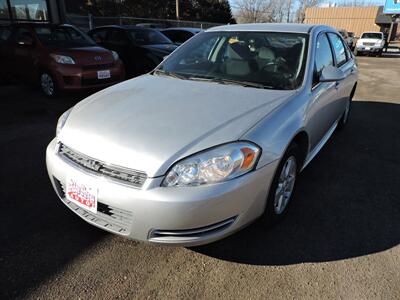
[371, 35]
[351, 34]
[62, 36]
[148, 37]
[259, 59]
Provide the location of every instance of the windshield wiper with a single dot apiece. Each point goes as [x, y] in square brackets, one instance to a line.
[232, 81]
[170, 74]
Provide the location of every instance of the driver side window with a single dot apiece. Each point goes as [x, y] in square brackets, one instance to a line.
[323, 57]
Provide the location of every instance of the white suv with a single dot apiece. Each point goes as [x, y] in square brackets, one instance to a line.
[371, 43]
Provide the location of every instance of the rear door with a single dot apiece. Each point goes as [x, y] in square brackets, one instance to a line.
[344, 60]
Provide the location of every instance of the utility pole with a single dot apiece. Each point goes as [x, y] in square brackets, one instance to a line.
[177, 9]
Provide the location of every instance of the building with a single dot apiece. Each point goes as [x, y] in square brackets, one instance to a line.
[51, 11]
[353, 19]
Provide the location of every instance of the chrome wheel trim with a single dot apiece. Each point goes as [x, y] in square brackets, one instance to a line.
[285, 187]
[47, 84]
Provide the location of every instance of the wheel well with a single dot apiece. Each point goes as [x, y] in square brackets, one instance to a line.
[302, 141]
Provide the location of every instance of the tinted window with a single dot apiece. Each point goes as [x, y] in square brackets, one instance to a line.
[117, 37]
[62, 36]
[372, 35]
[148, 37]
[338, 48]
[323, 56]
[5, 33]
[178, 36]
[4, 10]
[99, 36]
[273, 60]
[22, 33]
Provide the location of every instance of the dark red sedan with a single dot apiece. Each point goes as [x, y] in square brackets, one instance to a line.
[58, 57]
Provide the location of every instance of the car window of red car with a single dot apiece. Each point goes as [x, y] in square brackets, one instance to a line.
[62, 36]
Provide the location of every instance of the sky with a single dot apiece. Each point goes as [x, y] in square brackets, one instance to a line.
[374, 2]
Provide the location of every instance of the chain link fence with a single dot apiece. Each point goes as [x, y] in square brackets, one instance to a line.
[89, 22]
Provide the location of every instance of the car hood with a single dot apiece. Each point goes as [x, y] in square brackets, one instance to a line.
[161, 48]
[92, 55]
[150, 122]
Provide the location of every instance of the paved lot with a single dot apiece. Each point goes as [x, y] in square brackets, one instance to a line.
[340, 238]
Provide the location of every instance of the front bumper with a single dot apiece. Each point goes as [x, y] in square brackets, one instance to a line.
[369, 49]
[74, 77]
[186, 216]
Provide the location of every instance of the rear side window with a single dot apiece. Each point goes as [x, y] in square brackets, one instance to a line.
[338, 48]
[323, 56]
[99, 36]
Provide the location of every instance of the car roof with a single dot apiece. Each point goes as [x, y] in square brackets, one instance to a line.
[122, 27]
[190, 29]
[279, 27]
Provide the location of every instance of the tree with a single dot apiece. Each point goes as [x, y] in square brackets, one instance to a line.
[303, 5]
[256, 11]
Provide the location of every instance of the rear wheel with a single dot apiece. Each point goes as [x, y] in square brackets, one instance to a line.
[283, 186]
[47, 84]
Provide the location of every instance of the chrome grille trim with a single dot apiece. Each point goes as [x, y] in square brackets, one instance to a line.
[120, 174]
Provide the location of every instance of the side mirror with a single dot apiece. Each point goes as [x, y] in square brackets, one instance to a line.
[25, 41]
[331, 74]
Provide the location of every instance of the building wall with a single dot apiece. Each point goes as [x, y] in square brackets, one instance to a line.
[353, 19]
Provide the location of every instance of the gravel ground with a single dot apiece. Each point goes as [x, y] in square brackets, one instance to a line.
[340, 238]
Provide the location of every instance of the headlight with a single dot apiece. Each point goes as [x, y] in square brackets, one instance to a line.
[62, 120]
[215, 165]
[115, 55]
[62, 59]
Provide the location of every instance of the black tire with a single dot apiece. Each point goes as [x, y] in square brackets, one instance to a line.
[346, 114]
[271, 215]
[48, 85]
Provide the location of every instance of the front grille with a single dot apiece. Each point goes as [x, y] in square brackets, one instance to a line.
[109, 217]
[98, 67]
[95, 81]
[132, 177]
[369, 44]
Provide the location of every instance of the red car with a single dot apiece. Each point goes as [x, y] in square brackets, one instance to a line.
[58, 57]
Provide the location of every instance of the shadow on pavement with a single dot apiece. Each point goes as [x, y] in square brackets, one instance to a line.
[347, 202]
[38, 236]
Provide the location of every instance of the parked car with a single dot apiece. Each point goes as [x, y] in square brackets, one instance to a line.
[352, 40]
[58, 57]
[346, 37]
[181, 34]
[370, 43]
[141, 49]
[150, 25]
[212, 139]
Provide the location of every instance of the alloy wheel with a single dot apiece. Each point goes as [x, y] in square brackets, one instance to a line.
[285, 186]
[47, 84]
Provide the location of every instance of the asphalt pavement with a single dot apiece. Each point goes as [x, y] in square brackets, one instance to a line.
[340, 239]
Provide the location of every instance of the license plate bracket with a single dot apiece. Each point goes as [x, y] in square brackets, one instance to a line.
[82, 191]
[104, 74]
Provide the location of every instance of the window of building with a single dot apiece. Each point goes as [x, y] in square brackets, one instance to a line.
[33, 10]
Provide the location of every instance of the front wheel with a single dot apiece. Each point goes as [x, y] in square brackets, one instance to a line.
[283, 186]
[48, 85]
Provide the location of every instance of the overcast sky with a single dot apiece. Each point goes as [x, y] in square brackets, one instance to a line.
[374, 2]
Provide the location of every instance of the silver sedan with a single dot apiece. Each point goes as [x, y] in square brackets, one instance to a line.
[209, 141]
